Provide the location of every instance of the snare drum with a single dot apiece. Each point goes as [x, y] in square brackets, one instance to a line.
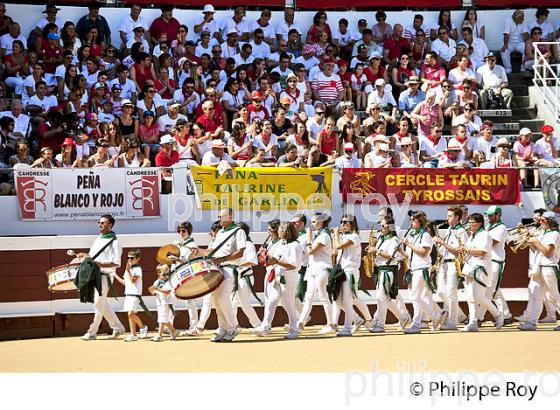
[61, 278]
[195, 278]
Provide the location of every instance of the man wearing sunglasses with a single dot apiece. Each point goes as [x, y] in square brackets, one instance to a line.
[493, 80]
[108, 260]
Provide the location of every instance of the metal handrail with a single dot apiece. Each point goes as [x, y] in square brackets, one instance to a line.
[546, 79]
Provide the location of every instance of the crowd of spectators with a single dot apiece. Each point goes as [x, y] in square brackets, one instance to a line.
[258, 93]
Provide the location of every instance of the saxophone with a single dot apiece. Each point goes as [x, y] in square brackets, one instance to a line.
[368, 259]
[460, 259]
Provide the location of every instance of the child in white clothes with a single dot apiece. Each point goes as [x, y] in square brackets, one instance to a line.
[359, 80]
[165, 302]
[132, 281]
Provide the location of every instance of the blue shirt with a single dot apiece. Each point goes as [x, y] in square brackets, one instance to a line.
[407, 102]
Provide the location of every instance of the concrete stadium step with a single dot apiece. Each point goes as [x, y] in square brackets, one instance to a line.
[534, 125]
[520, 101]
[519, 89]
[524, 77]
[508, 115]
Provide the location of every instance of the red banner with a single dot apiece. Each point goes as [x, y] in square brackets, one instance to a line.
[431, 186]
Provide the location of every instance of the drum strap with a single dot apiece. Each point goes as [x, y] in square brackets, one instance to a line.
[242, 275]
[142, 304]
[223, 242]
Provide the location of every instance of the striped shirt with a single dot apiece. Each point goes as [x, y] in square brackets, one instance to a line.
[327, 88]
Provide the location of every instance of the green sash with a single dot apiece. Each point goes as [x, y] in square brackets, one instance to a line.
[476, 270]
[142, 304]
[302, 284]
[500, 276]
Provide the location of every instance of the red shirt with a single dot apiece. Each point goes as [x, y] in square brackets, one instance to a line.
[217, 111]
[48, 53]
[142, 76]
[371, 77]
[210, 125]
[159, 26]
[167, 95]
[54, 142]
[435, 73]
[328, 142]
[162, 160]
[254, 113]
[395, 46]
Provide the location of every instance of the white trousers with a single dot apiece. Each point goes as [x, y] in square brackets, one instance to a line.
[477, 299]
[193, 312]
[384, 302]
[447, 290]
[421, 298]
[355, 302]
[222, 301]
[317, 283]
[205, 311]
[102, 310]
[242, 298]
[285, 293]
[499, 300]
[545, 281]
[506, 55]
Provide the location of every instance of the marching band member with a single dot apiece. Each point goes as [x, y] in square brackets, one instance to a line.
[299, 221]
[387, 264]
[448, 280]
[286, 262]
[165, 298]
[271, 243]
[419, 244]
[186, 245]
[349, 247]
[478, 249]
[108, 260]
[245, 281]
[544, 273]
[319, 249]
[498, 233]
[229, 246]
[550, 309]
[198, 329]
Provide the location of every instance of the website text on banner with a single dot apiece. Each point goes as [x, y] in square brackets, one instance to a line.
[66, 194]
[432, 187]
[263, 188]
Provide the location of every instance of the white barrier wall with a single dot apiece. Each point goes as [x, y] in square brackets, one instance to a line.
[28, 15]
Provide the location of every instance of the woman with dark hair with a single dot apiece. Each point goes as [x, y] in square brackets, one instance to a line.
[16, 67]
[83, 53]
[471, 20]
[319, 250]
[65, 86]
[67, 157]
[203, 139]
[135, 54]
[347, 246]
[95, 42]
[70, 40]
[418, 245]
[420, 46]
[319, 24]
[401, 73]
[300, 138]
[381, 31]
[233, 97]
[348, 134]
[147, 101]
[444, 20]
[244, 82]
[109, 61]
[239, 144]
[22, 154]
[478, 266]
[44, 39]
[142, 71]
[285, 260]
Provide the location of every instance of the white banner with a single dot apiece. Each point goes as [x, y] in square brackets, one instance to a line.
[88, 193]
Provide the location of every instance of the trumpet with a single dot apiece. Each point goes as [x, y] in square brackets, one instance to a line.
[520, 227]
[518, 237]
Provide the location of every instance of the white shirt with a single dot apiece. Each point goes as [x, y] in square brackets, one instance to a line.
[289, 253]
[186, 248]
[249, 257]
[480, 49]
[543, 148]
[228, 24]
[209, 158]
[387, 246]
[456, 76]
[491, 78]
[43, 22]
[6, 42]
[128, 25]
[383, 101]
[352, 255]
[284, 28]
[431, 150]
[482, 241]
[111, 254]
[455, 236]
[163, 299]
[498, 233]
[21, 123]
[302, 239]
[211, 27]
[165, 123]
[309, 63]
[445, 51]
[515, 31]
[232, 245]
[343, 39]
[314, 128]
[268, 31]
[258, 142]
[130, 287]
[191, 107]
[422, 240]
[239, 60]
[46, 103]
[128, 88]
[546, 239]
[410, 31]
[261, 50]
[344, 162]
[320, 260]
[482, 145]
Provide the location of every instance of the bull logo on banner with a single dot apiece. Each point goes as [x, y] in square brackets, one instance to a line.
[145, 195]
[32, 197]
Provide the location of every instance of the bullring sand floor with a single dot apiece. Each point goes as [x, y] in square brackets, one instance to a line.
[487, 350]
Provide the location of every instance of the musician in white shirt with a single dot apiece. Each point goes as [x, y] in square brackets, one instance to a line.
[478, 266]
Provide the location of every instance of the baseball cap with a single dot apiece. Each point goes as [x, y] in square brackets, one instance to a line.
[126, 101]
[218, 143]
[547, 128]
[380, 82]
[149, 113]
[503, 142]
[493, 210]
[173, 103]
[348, 146]
[53, 36]
[181, 121]
[256, 95]
[524, 131]
[116, 87]
[549, 215]
[98, 85]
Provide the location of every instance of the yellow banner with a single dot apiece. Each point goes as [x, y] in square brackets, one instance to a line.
[263, 188]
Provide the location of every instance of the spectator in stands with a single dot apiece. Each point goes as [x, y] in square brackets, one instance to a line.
[433, 147]
[401, 73]
[542, 22]
[286, 24]
[502, 158]
[411, 30]
[348, 116]
[470, 20]
[381, 30]
[431, 73]
[395, 46]
[479, 47]
[525, 156]
[485, 145]
[4, 20]
[237, 24]
[127, 124]
[167, 122]
[547, 148]
[383, 97]
[188, 98]
[291, 159]
[142, 71]
[406, 157]
[212, 124]
[420, 47]
[515, 35]
[427, 113]
[45, 160]
[93, 19]
[240, 144]
[444, 46]
[148, 134]
[461, 73]
[464, 95]
[21, 121]
[469, 118]
[493, 80]
[69, 37]
[216, 155]
[164, 24]
[319, 25]
[327, 87]
[16, 67]
[149, 99]
[349, 158]
[367, 40]
[294, 45]
[412, 96]
[318, 159]
[300, 138]
[168, 156]
[451, 157]
[529, 57]
[379, 157]
[444, 20]
[41, 99]
[22, 151]
[130, 22]
[7, 40]
[267, 141]
[208, 23]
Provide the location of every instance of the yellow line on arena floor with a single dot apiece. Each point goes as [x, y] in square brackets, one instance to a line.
[487, 350]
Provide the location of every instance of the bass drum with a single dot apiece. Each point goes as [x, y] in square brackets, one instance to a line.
[195, 278]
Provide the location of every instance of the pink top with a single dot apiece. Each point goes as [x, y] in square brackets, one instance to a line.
[432, 114]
